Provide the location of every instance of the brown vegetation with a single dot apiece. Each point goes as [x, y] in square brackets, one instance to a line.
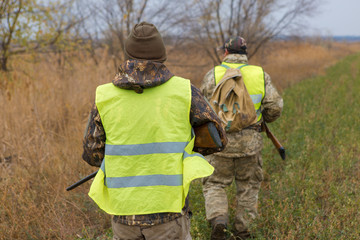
[45, 102]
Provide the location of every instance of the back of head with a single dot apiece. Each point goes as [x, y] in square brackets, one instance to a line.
[145, 42]
[235, 45]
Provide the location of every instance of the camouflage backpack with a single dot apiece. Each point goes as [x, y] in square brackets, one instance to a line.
[232, 102]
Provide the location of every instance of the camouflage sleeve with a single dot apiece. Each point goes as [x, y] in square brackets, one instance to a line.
[200, 113]
[94, 139]
[208, 84]
[272, 104]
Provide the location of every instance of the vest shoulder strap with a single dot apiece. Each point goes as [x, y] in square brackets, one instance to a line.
[227, 67]
[242, 66]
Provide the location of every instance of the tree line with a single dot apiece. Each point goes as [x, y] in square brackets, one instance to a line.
[41, 25]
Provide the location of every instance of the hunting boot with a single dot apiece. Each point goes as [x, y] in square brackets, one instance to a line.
[218, 231]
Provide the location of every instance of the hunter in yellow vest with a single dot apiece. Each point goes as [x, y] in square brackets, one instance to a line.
[241, 159]
[140, 134]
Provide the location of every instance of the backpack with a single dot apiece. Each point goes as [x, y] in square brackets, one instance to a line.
[232, 102]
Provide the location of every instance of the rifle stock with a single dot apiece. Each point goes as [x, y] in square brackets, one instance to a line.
[274, 140]
[207, 136]
[78, 183]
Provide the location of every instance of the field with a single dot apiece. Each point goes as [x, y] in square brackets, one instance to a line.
[45, 101]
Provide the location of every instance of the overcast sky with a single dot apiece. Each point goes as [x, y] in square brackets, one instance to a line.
[336, 17]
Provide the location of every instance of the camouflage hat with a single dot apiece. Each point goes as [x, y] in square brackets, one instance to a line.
[235, 45]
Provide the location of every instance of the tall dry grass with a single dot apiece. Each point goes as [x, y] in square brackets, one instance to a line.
[45, 101]
[43, 116]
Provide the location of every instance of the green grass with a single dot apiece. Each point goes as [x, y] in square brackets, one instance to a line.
[314, 193]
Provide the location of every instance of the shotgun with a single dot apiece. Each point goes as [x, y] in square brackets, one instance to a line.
[274, 140]
[85, 179]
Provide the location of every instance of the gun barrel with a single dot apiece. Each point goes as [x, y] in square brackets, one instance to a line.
[78, 183]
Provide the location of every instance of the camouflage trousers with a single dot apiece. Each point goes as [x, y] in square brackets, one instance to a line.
[178, 228]
[247, 172]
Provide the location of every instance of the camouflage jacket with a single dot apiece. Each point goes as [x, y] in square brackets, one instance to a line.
[247, 142]
[138, 75]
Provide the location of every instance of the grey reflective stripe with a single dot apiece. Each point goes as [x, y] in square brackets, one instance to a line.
[256, 98]
[141, 149]
[144, 181]
[258, 112]
[102, 167]
[192, 155]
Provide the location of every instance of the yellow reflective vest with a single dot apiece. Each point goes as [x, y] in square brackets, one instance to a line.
[149, 160]
[254, 80]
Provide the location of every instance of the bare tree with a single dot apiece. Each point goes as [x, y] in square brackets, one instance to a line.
[89, 30]
[27, 25]
[258, 21]
[115, 19]
[9, 17]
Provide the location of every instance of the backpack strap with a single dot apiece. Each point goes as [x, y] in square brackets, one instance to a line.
[224, 107]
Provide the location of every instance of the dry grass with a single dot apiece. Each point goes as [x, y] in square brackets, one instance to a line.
[45, 102]
[44, 114]
[290, 62]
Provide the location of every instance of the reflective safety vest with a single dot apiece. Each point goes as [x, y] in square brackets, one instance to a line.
[149, 160]
[254, 80]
